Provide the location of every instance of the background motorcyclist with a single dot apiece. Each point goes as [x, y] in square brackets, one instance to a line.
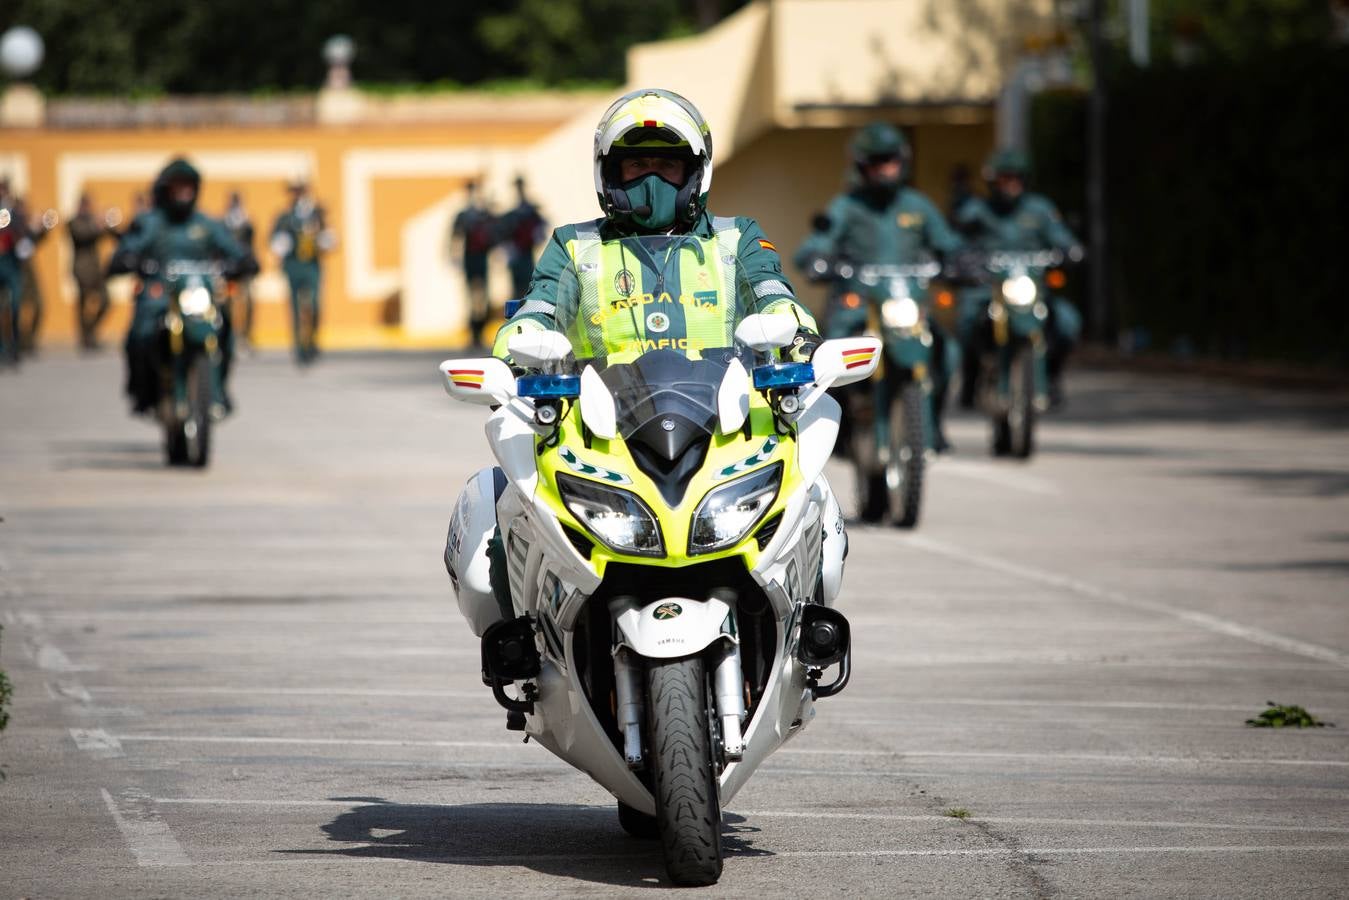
[299, 237]
[171, 231]
[1010, 219]
[881, 221]
[653, 169]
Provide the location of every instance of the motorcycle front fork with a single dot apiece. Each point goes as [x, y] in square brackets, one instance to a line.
[728, 687]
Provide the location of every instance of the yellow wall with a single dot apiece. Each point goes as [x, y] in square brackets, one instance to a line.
[401, 170]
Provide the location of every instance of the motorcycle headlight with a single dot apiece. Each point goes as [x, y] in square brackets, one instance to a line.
[194, 301]
[1019, 291]
[728, 513]
[620, 520]
[899, 312]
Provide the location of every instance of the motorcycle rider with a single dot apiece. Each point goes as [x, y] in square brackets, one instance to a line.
[1015, 219]
[652, 169]
[881, 221]
[172, 230]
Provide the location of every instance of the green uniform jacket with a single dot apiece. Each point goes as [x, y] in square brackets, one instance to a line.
[1033, 223]
[156, 239]
[755, 254]
[301, 262]
[909, 229]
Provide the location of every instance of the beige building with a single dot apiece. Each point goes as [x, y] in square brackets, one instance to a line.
[783, 83]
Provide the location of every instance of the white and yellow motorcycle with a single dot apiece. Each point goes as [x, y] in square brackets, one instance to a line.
[671, 548]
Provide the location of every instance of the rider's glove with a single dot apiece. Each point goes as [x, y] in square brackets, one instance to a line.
[803, 345]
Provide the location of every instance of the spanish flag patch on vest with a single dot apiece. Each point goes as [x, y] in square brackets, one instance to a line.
[767, 245]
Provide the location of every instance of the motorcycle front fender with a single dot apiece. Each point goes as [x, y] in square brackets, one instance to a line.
[673, 627]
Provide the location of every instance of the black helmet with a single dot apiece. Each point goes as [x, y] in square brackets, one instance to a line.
[1007, 162]
[177, 170]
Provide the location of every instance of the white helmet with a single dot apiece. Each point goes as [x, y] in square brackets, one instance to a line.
[653, 122]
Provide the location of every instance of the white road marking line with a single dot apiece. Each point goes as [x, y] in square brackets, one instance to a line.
[146, 834]
[999, 475]
[244, 692]
[1058, 851]
[53, 659]
[526, 859]
[809, 814]
[319, 742]
[895, 754]
[69, 690]
[1022, 820]
[1216, 624]
[1033, 704]
[1069, 757]
[97, 743]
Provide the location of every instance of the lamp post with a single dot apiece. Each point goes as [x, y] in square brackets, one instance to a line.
[21, 53]
[338, 52]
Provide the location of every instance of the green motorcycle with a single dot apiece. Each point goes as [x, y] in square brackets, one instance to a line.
[192, 394]
[1011, 341]
[891, 426]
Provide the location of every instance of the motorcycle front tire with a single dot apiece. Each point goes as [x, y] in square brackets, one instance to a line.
[908, 443]
[197, 428]
[688, 806]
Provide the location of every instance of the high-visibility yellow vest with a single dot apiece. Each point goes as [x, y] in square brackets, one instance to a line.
[685, 296]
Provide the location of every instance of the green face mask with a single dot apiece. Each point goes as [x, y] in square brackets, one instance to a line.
[657, 195]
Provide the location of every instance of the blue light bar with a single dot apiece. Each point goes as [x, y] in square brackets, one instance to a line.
[783, 375]
[548, 387]
[513, 307]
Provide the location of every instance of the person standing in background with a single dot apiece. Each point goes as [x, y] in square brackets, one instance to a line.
[36, 228]
[91, 291]
[475, 227]
[523, 229]
[11, 277]
[299, 237]
[240, 226]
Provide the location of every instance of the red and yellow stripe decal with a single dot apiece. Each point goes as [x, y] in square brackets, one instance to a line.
[858, 356]
[467, 378]
[767, 245]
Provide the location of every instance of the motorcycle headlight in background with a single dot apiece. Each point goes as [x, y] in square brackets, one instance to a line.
[899, 312]
[620, 520]
[1019, 290]
[728, 513]
[194, 301]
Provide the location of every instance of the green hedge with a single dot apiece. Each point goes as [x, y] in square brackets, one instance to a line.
[1227, 194]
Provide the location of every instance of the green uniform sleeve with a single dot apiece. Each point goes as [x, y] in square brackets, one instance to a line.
[539, 311]
[936, 232]
[823, 243]
[1054, 230]
[773, 293]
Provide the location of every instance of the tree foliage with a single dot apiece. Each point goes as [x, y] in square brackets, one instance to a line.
[245, 46]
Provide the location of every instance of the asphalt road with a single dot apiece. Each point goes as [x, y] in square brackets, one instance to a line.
[253, 680]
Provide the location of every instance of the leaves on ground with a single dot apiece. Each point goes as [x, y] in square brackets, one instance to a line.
[1280, 715]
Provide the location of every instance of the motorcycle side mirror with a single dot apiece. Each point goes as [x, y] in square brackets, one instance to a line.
[845, 361]
[483, 381]
[763, 333]
[536, 349]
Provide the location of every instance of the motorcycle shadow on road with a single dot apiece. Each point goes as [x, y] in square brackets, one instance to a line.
[562, 840]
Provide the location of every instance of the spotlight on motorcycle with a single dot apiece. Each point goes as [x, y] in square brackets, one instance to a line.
[825, 636]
